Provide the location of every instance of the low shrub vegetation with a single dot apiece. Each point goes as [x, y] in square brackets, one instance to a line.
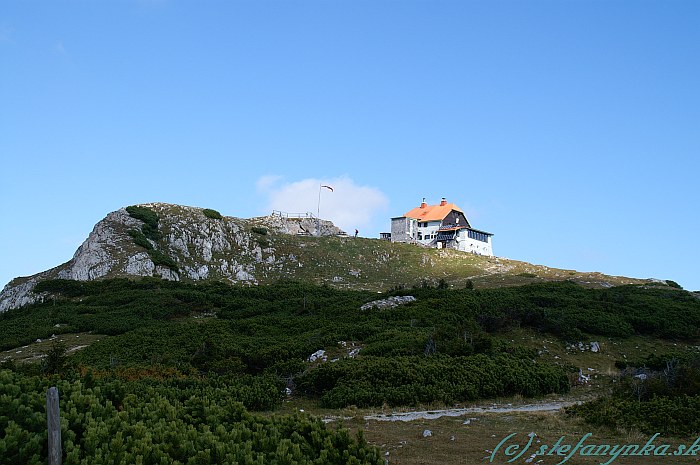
[375, 381]
[185, 362]
[140, 239]
[212, 214]
[161, 259]
[663, 397]
[149, 230]
[150, 220]
[182, 420]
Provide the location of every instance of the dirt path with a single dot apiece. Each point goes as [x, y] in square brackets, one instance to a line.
[458, 412]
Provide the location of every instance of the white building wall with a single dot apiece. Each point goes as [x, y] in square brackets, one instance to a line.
[467, 244]
[408, 229]
[430, 230]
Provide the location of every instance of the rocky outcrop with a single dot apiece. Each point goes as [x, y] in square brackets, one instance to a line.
[187, 245]
[98, 255]
[200, 247]
[16, 295]
[389, 302]
[302, 226]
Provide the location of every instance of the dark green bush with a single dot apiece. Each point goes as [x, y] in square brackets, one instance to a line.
[665, 399]
[373, 381]
[181, 419]
[675, 416]
[161, 259]
[140, 239]
[459, 321]
[527, 275]
[259, 230]
[257, 330]
[149, 218]
[55, 359]
[213, 214]
[144, 214]
[151, 232]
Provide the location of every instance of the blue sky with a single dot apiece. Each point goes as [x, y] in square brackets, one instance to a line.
[569, 129]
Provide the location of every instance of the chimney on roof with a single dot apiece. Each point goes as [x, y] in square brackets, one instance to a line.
[423, 204]
[443, 202]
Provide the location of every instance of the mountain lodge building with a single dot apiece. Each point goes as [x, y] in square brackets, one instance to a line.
[442, 226]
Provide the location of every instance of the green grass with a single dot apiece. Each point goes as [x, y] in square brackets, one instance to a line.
[362, 263]
[35, 351]
[340, 262]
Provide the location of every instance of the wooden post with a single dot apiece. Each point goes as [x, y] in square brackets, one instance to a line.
[53, 419]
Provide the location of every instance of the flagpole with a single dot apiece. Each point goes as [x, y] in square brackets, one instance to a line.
[318, 212]
[318, 208]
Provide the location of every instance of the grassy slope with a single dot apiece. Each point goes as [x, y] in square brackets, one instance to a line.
[379, 265]
[341, 262]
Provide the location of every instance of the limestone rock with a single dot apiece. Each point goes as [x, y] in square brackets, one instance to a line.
[390, 302]
[18, 295]
[200, 247]
[96, 257]
[139, 264]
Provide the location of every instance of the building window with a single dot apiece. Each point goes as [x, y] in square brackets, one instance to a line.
[478, 236]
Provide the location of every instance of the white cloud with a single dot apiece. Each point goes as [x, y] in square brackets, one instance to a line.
[349, 206]
[267, 183]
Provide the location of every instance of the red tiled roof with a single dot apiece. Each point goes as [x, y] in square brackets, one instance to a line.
[432, 212]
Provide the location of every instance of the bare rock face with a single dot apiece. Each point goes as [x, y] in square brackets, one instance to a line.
[389, 302]
[18, 295]
[305, 226]
[139, 264]
[198, 246]
[97, 256]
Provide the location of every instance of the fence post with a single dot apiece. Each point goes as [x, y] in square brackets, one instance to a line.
[53, 420]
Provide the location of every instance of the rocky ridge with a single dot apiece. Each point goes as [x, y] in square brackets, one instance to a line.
[191, 246]
[203, 248]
